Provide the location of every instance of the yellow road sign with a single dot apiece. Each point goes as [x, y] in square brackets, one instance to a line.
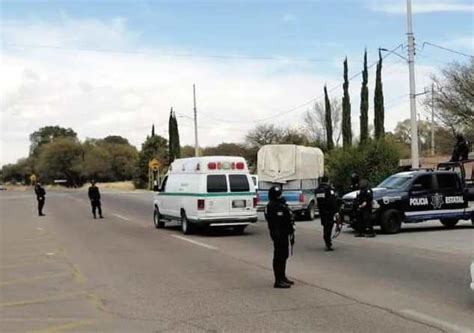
[154, 164]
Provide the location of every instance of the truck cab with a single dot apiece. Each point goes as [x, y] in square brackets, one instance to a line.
[414, 197]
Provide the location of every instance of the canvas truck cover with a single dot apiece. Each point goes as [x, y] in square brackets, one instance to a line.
[283, 163]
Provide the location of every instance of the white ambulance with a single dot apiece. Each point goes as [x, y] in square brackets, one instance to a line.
[215, 191]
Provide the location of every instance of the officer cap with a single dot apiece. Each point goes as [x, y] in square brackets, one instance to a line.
[274, 192]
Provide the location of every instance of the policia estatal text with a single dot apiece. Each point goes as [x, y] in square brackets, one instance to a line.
[281, 226]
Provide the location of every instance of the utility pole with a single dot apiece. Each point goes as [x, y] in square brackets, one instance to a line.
[415, 159]
[432, 121]
[196, 145]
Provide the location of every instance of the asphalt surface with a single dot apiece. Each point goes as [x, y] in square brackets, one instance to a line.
[69, 272]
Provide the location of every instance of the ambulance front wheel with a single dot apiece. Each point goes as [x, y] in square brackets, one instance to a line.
[159, 223]
[449, 223]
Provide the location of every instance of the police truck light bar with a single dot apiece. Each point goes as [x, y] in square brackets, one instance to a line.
[225, 166]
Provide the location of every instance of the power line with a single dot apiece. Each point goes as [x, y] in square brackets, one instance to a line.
[169, 54]
[314, 99]
[447, 49]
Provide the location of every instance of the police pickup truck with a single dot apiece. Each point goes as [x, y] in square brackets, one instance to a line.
[416, 196]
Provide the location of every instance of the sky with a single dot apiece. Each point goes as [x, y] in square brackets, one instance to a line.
[117, 67]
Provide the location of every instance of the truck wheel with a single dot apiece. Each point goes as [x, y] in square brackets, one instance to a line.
[309, 214]
[449, 223]
[186, 227]
[239, 229]
[391, 222]
[159, 223]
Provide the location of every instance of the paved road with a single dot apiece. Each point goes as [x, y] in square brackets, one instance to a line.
[68, 272]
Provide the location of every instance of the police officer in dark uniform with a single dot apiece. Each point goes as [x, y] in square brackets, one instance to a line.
[364, 210]
[281, 226]
[461, 149]
[40, 197]
[354, 182]
[94, 196]
[327, 205]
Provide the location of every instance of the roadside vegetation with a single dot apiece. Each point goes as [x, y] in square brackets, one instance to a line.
[56, 153]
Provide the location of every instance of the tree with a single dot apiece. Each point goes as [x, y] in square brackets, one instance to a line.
[364, 104]
[379, 111]
[454, 97]
[263, 135]
[346, 111]
[122, 158]
[116, 139]
[328, 120]
[48, 134]
[374, 161]
[153, 130]
[18, 172]
[174, 146]
[315, 122]
[444, 138]
[95, 162]
[61, 158]
[153, 147]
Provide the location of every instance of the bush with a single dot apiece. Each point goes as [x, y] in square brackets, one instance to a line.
[374, 161]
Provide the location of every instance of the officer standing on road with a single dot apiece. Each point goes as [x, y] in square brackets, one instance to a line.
[41, 197]
[94, 196]
[364, 210]
[327, 205]
[281, 226]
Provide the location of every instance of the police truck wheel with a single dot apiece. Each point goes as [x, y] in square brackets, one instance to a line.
[309, 214]
[449, 223]
[186, 227]
[159, 223]
[391, 222]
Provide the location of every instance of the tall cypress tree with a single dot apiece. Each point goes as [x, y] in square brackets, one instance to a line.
[364, 104]
[328, 119]
[346, 111]
[153, 130]
[171, 135]
[177, 144]
[379, 111]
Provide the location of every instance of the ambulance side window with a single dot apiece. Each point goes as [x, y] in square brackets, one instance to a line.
[216, 183]
[423, 183]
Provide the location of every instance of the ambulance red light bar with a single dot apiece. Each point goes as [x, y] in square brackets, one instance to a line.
[226, 165]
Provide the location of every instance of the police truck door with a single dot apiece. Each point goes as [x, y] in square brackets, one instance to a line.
[420, 195]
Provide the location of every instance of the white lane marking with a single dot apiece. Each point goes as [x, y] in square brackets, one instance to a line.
[195, 242]
[435, 321]
[121, 217]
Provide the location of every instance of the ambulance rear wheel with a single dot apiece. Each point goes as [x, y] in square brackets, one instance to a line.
[391, 222]
[449, 223]
[186, 227]
[159, 223]
[239, 229]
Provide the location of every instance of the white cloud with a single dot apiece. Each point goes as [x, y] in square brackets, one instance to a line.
[104, 93]
[421, 6]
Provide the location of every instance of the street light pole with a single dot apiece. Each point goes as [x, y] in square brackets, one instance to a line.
[196, 145]
[432, 121]
[415, 159]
